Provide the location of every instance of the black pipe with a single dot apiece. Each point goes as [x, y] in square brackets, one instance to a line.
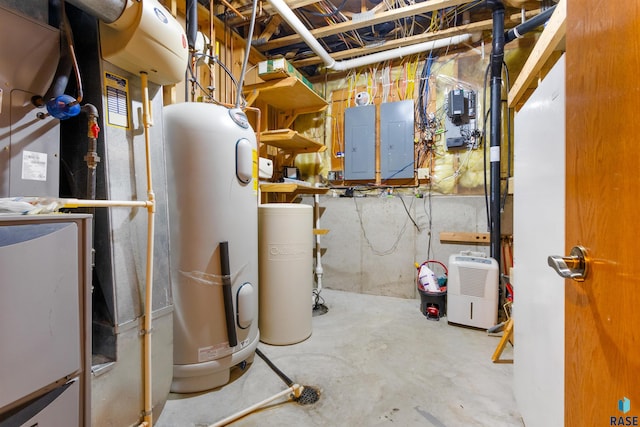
[529, 25]
[227, 295]
[274, 368]
[91, 157]
[497, 57]
[192, 23]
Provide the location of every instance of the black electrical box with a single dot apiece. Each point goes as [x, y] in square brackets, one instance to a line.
[456, 142]
[471, 105]
[456, 105]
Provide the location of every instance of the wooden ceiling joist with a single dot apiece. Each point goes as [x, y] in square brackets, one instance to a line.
[269, 29]
[269, 10]
[420, 38]
[389, 15]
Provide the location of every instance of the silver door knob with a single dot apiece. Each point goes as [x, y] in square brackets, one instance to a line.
[575, 266]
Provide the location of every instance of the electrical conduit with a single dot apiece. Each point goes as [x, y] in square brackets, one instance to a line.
[287, 14]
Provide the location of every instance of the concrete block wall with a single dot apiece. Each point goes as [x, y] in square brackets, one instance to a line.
[372, 244]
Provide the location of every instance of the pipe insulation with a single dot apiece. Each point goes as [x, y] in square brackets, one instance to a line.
[107, 11]
[192, 23]
[287, 14]
[531, 24]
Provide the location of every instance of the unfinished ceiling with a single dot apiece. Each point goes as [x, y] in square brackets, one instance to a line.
[352, 28]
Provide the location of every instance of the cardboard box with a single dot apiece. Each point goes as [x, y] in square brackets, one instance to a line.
[280, 68]
[276, 69]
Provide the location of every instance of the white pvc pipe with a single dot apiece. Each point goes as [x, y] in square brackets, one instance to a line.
[400, 52]
[287, 14]
[296, 389]
[148, 301]
[318, 269]
[107, 11]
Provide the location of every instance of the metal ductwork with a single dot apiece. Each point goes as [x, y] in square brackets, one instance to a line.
[105, 10]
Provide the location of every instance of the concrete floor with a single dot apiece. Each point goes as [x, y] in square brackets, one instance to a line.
[377, 361]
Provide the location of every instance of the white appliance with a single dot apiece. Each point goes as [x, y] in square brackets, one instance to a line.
[212, 179]
[45, 320]
[472, 290]
[146, 38]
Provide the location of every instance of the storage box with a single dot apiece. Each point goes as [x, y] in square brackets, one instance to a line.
[280, 68]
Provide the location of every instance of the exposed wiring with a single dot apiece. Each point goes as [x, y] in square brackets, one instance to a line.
[509, 139]
[484, 145]
[215, 60]
[409, 213]
[393, 247]
[336, 10]
[397, 172]
[72, 52]
[318, 301]
[429, 215]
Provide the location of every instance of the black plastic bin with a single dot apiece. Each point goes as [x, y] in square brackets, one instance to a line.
[433, 304]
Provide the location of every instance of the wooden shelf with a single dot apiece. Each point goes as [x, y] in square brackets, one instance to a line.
[288, 139]
[320, 231]
[544, 55]
[290, 187]
[287, 192]
[286, 94]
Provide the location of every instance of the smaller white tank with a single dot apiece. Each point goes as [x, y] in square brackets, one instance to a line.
[285, 244]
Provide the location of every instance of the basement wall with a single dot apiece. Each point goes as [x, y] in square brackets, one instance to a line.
[372, 243]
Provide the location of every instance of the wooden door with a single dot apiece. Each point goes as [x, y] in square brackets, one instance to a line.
[602, 323]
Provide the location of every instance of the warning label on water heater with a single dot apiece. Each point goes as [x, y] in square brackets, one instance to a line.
[34, 166]
[213, 352]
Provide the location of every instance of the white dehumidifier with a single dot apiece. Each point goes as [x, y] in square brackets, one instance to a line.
[472, 290]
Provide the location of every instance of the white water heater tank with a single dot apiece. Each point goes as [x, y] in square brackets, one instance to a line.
[213, 220]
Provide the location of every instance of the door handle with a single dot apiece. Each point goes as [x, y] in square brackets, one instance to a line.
[575, 266]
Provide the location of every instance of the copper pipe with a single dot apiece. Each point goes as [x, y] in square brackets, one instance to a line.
[233, 9]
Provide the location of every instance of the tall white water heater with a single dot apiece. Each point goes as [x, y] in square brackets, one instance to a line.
[213, 220]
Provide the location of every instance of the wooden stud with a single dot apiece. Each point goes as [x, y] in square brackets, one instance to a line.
[270, 29]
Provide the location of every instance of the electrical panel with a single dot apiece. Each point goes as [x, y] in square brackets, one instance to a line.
[360, 142]
[397, 153]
